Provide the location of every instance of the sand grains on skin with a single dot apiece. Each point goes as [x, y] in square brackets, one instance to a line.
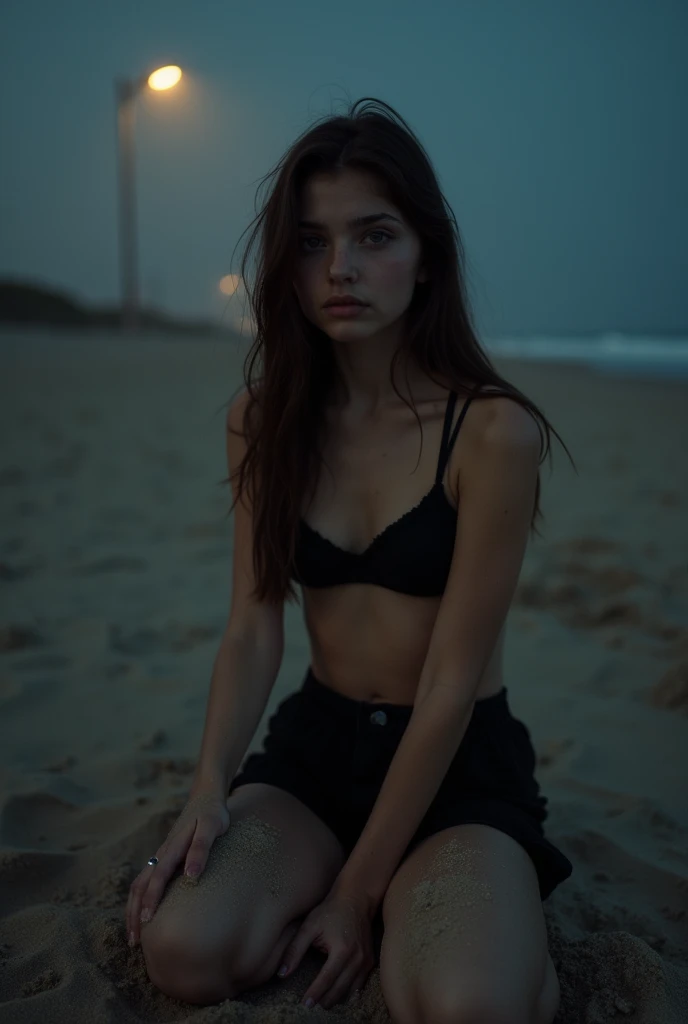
[248, 841]
[453, 885]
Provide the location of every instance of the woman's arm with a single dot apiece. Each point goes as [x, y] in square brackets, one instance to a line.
[243, 676]
[497, 495]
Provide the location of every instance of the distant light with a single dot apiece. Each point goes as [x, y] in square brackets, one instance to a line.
[229, 284]
[165, 78]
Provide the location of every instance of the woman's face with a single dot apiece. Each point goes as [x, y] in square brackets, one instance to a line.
[377, 262]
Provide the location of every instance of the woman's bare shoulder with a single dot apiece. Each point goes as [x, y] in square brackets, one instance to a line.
[500, 418]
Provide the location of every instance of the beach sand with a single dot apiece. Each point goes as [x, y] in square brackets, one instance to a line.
[115, 586]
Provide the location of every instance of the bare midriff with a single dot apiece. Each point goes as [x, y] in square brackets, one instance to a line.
[369, 643]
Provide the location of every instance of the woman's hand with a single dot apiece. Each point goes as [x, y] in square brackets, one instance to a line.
[340, 926]
[202, 820]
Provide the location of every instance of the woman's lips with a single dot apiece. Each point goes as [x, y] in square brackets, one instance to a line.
[348, 309]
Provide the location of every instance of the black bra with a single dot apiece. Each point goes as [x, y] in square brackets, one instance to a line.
[412, 555]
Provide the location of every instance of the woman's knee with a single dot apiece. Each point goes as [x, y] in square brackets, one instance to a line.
[185, 961]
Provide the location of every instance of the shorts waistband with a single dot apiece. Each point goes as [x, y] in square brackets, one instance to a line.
[315, 690]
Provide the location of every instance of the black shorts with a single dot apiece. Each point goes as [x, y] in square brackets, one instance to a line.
[333, 753]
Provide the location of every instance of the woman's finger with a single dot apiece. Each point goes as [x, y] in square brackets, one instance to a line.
[205, 835]
[133, 903]
[126, 914]
[154, 884]
[327, 982]
[135, 891]
[130, 904]
[359, 984]
[338, 991]
[359, 981]
[138, 888]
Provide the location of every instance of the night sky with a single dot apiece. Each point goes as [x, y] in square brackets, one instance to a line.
[557, 128]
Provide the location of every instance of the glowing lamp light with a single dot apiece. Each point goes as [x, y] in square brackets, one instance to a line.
[229, 284]
[165, 78]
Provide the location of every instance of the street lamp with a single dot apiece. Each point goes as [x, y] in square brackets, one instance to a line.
[126, 90]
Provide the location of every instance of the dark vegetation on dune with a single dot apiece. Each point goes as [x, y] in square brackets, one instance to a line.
[26, 304]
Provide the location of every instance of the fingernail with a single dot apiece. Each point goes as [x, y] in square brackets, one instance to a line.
[145, 916]
[192, 871]
[132, 939]
[308, 1003]
[282, 971]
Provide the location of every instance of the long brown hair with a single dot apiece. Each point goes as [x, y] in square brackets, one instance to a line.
[284, 440]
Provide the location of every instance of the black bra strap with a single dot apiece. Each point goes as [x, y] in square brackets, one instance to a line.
[445, 448]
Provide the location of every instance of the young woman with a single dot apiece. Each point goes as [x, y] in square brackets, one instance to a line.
[393, 815]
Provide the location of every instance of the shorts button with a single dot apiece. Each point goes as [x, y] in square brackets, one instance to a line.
[378, 718]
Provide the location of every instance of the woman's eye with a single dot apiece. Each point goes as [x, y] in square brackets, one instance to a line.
[384, 234]
[384, 237]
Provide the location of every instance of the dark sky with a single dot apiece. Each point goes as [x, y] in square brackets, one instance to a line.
[557, 127]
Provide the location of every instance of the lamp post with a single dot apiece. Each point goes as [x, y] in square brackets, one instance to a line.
[126, 90]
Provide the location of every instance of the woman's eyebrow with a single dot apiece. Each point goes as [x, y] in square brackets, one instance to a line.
[357, 222]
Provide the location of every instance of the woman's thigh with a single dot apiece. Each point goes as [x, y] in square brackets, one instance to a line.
[225, 932]
[465, 936]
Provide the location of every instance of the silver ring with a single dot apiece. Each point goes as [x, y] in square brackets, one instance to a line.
[153, 861]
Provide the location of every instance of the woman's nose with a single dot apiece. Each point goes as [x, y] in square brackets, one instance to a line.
[341, 262]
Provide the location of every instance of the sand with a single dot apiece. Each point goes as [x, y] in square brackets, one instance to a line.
[114, 583]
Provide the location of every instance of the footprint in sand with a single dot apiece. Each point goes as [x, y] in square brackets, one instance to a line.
[671, 689]
[45, 821]
[149, 771]
[18, 638]
[587, 545]
[174, 637]
[552, 750]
